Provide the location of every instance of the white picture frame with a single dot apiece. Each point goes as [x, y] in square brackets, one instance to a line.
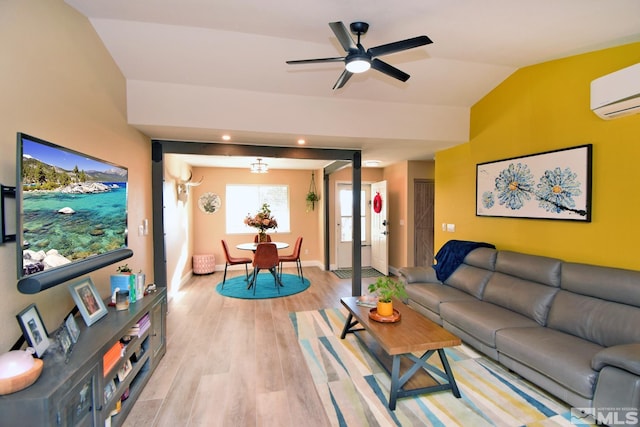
[88, 300]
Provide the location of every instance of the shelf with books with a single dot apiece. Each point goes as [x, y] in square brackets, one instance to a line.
[99, 354]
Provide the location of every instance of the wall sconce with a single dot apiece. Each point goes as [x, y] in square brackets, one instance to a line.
[259, 167]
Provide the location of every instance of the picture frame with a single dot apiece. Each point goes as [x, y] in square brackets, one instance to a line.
[33, 329]
[87, 298]
[124, 370]
[64, 339]
[109, 390]
[72, 327]
[550, 185]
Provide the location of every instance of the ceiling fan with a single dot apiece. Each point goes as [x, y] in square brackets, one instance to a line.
[359, 60]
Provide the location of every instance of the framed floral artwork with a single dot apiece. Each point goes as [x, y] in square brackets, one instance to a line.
[550, 185]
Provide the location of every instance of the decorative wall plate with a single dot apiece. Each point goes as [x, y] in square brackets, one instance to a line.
[209, 203]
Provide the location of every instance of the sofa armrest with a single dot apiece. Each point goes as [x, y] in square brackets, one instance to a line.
[418, 275]
[625, 356]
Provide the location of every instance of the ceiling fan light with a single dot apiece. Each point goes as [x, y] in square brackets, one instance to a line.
[358, 65]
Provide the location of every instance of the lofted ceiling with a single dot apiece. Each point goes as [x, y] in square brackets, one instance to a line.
[199, 69]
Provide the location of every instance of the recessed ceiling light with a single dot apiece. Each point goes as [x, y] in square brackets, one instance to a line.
[301, 141]
[226, 137]
[372, 163]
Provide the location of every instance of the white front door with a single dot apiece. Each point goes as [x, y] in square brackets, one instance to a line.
[379, 233]
[344, 225]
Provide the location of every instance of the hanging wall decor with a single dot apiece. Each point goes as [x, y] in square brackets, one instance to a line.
[377, 203]
[312, 195]
[550, 185]
[209, 203]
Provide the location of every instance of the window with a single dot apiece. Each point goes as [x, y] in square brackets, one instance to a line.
[243, 200]
[346, 215]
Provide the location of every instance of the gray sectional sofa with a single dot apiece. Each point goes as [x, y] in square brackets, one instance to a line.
[572, 329]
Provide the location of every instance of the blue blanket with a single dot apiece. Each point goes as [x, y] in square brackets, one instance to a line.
[451, 255]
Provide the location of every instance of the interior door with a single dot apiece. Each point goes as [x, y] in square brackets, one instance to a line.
[379, 223]
[344, 225]
[423, 215]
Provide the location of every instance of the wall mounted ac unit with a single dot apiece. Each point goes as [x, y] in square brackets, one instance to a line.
[617, 94]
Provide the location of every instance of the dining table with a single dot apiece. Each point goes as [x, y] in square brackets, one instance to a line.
[252, 246]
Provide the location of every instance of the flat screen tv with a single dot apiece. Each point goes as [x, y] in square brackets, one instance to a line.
[71, 213]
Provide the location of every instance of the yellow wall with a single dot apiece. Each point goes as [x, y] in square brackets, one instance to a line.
[59, 83]
[540, 108]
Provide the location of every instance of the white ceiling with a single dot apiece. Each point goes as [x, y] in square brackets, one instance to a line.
[179, 54]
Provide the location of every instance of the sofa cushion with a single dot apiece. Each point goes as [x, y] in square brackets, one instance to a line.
[481, 319]
[418, 274]
[611, 284]
[430, 295]
[603, 322]
[535, 268]
[563, 358]
[469, 279]
[528, 298]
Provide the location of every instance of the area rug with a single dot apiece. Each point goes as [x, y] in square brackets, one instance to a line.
[346, 273]
[355, 389]
[236, 287]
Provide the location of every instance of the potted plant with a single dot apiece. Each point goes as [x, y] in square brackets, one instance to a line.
[312, 198]
[386, 289]
[124, 269]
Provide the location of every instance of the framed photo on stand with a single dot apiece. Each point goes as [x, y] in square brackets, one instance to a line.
[88, 300]
[72, 328]
[33, 329]
[64, 340]
[125, 370]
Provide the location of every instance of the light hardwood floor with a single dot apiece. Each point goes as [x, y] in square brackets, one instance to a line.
[233, 362]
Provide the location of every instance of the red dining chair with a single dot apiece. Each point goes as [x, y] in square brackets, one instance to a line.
[294, 257]
[230, 260]
[255, 238]
[265, 258]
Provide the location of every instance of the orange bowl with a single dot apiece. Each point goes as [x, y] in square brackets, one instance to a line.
[23, 380]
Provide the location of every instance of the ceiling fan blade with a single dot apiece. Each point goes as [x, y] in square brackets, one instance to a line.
[343, 36]
[389, 70]
[311, 61]
[398, 46]
[344, 77]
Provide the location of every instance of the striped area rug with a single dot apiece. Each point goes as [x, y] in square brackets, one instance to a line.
[355, 389]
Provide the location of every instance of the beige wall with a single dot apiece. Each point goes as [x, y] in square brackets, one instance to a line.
[210, 228]
[59, 83]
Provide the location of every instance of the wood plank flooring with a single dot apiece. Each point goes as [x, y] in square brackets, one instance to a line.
[233, 362]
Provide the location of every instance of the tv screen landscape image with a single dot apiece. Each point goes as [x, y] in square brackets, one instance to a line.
[71, 206]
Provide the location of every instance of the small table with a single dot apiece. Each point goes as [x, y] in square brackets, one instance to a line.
[392, 344]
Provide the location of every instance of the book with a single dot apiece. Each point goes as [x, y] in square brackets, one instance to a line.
[370, 301]
[111, 357]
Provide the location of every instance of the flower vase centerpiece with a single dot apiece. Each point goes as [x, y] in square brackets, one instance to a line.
[386, 289]
[263, 221]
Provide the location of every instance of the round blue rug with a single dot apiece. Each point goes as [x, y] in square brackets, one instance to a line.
[236, 287]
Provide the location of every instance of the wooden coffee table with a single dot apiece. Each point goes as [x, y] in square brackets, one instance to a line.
[393, 345]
